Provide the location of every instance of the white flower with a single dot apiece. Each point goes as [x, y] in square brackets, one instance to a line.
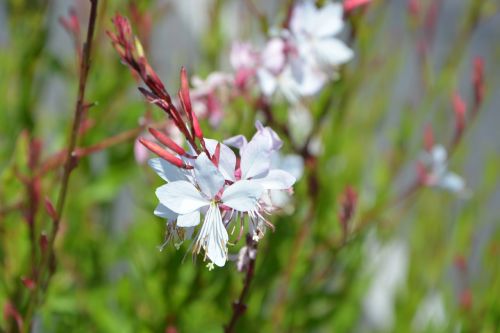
[300, 61]
[438, 174]
[188, 199]
[314, 30]
[255, 165]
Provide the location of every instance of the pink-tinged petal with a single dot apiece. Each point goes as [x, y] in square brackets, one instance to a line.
[243, 195]
[275, 143]
[181, 197]
[227, 161]
[163, 212]
[332, 51]
[276, 180]
[238, 141]
[167, 171]
[141, 153]
[189, 220]
[213, 236]
[255, 158]
[329, 20]
[208, 177]
[273, 55]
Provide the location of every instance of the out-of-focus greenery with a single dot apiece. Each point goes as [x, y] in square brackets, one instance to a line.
[110, 276]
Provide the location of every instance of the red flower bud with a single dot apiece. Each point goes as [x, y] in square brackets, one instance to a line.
[428, 137]
[184, 94]
[28, 283]
[44, 242]
[164, 139]
[163, 153]
[49, 207]
[459, 108]
[348, 201]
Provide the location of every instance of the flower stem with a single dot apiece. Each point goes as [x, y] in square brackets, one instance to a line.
[239, 306]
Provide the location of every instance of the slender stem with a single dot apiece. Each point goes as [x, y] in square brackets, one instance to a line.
[79, 111]
[239, 306]
[69, 165]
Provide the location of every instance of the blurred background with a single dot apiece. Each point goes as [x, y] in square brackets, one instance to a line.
[429, 263]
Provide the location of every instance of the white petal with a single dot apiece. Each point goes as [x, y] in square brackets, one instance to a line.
[303, 17]
[163, 212]
[452, 182]
[328, 21]
[294, 164]
[332, 51]
[181, 197]
[439, 155]
[167, 171]
[242, 195]
[312, 81]
[255, 158]
[267, 82]
[227, 160]
[208, 177]
[189, 220]
[276, 180]
[213, 236]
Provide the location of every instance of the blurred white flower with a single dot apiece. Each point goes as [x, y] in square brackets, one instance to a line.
[208, 96]
[314, 30]
[436, 162]
[388, 266]
[431, 313]
[300, 122]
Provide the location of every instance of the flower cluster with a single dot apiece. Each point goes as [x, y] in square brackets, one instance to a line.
[298, 60]
[295, 62]
[207, 179]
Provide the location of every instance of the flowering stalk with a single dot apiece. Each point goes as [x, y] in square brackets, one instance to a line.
[47, 260]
